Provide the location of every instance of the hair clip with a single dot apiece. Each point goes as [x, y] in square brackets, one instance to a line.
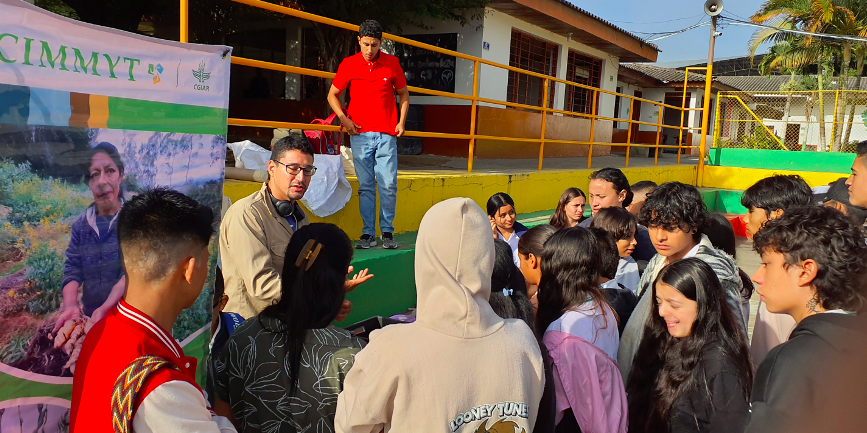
[308, 254]
[508, 292]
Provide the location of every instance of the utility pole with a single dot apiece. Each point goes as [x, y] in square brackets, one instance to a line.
[712, 8]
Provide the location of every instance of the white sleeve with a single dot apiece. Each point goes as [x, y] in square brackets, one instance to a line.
[176, 407]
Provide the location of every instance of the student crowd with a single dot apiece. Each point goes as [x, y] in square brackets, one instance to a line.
[564, 327]
[634, 319]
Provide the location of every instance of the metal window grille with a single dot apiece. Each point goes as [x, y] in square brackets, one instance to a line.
[536, 55]
[586, 70]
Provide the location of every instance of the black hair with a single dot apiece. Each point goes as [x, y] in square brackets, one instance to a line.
[570, 275]
[311, 298]
[558, 219]
[506, 276]
[722, 235]
[497, 201]
[370, 28]
[839, 192]
[828, 237]
[158, 228]
[609, 255]
[643, 185]
[533, 240]
[290, 142]
[616, 178]
[778, 192]
[675, 205]
[666, 367]
[617, 221]
[108, 149]
[861, 148]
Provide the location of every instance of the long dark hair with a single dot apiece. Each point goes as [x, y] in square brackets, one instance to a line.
[558, 219]
[533, 241]
[665, 367]
[569, 275]
[310, 298]
[497, 201]
[617, 221]
[617, 179]
[506, 276]
[721, 234]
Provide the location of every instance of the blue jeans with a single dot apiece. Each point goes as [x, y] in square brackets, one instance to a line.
[375, 157]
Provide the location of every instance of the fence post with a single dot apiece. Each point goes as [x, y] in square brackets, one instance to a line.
[544, 119]
[592, 126]
[473, 115]
[834, 123]
[658, 132]
[629, 131]
[185, 21]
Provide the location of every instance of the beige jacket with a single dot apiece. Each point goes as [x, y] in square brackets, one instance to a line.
[253, 240]
[459, 368]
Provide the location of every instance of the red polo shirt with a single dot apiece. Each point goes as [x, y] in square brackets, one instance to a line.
[111, 345]
[373, 83]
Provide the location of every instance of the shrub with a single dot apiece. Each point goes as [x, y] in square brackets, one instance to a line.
[45, 269]
[33, 199]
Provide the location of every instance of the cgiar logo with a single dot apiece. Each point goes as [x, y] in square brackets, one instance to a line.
[202, 76]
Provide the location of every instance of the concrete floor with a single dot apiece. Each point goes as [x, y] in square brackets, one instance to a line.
[440, 164]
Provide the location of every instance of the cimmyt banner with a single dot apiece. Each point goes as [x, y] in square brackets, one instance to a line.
[90, 117]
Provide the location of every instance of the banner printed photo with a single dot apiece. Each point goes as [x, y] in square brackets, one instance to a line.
[90, 117]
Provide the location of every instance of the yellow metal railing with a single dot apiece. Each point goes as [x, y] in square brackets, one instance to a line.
[474, 99]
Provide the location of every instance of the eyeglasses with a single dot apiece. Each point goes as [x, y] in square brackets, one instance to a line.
[294, 169]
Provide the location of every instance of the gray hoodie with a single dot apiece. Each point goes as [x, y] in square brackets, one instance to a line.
[459, 367]
[726, 270]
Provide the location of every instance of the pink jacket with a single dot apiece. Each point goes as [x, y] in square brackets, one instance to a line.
[588, 381]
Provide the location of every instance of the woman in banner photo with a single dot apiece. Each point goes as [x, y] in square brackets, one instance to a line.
[93, 264]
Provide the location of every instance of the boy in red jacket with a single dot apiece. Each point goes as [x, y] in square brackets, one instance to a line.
[163, 238]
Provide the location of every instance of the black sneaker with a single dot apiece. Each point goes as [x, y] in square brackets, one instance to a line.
[388, 241]
[366, 242]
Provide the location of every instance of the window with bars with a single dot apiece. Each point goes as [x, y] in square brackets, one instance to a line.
[586, 70]
[536, 55]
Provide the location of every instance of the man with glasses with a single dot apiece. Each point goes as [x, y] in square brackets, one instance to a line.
[255, 230]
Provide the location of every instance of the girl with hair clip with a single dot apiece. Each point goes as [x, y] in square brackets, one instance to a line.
[570, 209]
[289, 350]
[579, 329]
[508, 289]
[530, 257]
[504, 223]
[692, 372]
[620, 223]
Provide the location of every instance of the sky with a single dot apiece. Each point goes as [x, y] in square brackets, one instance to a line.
[647, 16]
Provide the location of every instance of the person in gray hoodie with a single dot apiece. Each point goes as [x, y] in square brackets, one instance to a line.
[674, 215]
[459, 367]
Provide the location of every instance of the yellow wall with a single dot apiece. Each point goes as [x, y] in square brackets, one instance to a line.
[742, 178]
[417, 192]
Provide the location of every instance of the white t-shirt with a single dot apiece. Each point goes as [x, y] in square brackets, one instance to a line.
[513, 243]
[627, 274]
[590, 322]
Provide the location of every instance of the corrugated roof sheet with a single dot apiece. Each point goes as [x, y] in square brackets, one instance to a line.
[665, 75]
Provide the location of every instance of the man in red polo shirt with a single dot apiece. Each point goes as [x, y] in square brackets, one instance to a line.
[163, 237]
[373, 127]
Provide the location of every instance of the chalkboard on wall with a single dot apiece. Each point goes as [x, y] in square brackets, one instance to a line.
[425, 68]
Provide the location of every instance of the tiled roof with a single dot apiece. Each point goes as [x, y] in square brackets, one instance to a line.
[567, 3]
[666, 75]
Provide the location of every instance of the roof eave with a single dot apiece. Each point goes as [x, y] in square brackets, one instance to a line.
[563, 18]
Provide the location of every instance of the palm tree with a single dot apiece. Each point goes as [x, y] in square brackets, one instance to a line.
[815, 16]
